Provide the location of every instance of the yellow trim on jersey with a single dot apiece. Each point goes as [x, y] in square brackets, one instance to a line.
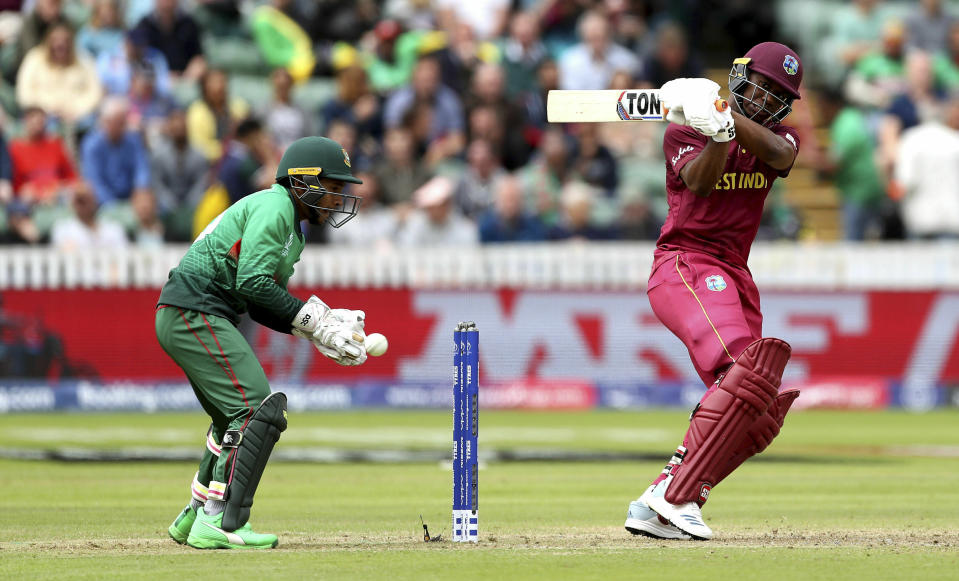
[708, 320]
[305, 171]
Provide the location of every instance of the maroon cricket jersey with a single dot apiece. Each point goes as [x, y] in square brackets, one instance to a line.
[725, 223]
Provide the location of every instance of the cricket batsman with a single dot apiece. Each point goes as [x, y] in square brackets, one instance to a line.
[241, 263]
[720, 165]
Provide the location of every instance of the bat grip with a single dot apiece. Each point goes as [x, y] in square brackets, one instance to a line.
[721, 105]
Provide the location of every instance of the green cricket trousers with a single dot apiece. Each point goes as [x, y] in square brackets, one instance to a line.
[226, 377]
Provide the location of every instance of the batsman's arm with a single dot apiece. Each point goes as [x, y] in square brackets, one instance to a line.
[763, 143]
[702, 173]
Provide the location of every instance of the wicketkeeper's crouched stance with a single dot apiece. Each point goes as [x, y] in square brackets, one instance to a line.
[241, 263]
[720, 166]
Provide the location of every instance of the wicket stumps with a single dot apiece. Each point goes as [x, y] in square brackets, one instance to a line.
[465, 427]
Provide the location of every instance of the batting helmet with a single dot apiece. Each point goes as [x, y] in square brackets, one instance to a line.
[778, 63]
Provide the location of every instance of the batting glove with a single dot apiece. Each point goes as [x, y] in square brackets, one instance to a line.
[719, 125]
[677, 94]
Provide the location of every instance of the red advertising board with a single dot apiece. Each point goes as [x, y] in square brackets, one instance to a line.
[551, 336]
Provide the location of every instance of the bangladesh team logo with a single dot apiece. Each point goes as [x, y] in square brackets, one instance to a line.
[715, 283]
[790, 65]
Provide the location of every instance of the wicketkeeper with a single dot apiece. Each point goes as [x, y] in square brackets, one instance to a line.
[241, 263]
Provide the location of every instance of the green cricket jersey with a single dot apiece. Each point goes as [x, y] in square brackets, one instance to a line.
[242, 262]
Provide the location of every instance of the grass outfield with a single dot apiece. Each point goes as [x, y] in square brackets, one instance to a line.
[838, 496]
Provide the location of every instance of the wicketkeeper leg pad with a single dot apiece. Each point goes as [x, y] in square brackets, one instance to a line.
[250, 450]
[721, 421]
[763, 431]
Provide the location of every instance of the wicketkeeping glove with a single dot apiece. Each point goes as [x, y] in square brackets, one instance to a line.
[336, 333]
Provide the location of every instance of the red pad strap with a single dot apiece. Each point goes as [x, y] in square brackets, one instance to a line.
[763, 431]
[723, 418]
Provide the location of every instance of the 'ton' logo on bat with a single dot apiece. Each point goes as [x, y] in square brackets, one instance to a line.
[639, 105]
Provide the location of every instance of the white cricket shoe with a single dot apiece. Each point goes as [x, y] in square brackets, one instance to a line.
[686, 517]
[642, 520]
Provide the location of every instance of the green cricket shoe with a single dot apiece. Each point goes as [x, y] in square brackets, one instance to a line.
[207, 533]
[180, 529]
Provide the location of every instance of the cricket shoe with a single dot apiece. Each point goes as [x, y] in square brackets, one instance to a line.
[208, 533]
[180, 529]
[642, 520]
[687, 517]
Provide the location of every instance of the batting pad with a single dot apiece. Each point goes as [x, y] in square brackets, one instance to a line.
[251, 449]
[763, 431]
[717, 428]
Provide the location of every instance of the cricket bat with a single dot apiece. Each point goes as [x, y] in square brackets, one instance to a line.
[608, 105]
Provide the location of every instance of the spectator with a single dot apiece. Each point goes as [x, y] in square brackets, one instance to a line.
[345, 134]
[534, 102]
[178, 176]
[175, 34]
[116, 67]
[544, 177]
[148, 232]
[7, 171]
[21, 227]
[354, 103]
[36, 27]
[920, 102]
[436, 221]
[523, 53]
[474, 188]
[595, 164]
[446, 128]
[41, 164]
[399, 172]
[334, 20]
[411, 14]
[946, 63]
[210, 119]
[148, 108]
[507, 220]
[927, 172]
[879, 76]
[576, 218]
[375, 225]
[591, 63]
[489, 89]
[85, 230]
[672, 59]
[855, 29]
[392, 55]
[462, 55]
[851, 163]
[58, 80]
[285, 121]
[282, 42]
[112, 156]
[928, 27]
[637, 220]
[104, 32]
[487, 18]
[246, 166]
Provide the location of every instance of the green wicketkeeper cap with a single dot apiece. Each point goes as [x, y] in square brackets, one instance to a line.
[317, 156]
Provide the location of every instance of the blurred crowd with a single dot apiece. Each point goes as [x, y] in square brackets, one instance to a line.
[889, 100]
[135, 122]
